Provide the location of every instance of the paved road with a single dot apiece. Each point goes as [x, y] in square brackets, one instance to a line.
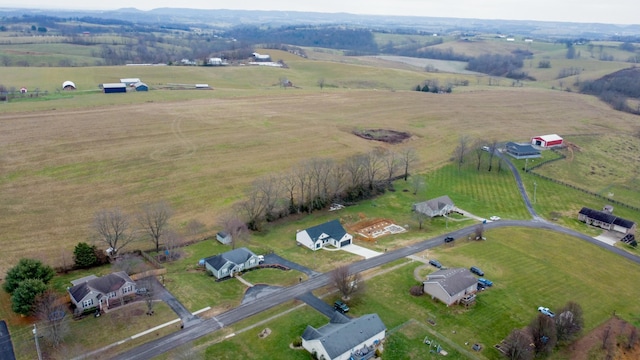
[166, 343]
[315, 281]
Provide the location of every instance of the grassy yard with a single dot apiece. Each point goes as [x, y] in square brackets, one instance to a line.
[529, 269]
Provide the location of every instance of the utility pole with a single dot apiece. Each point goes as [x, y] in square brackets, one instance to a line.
[535, 187]
[35, 335]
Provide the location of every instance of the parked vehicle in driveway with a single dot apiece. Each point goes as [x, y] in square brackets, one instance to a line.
[435, 263]
[546, 311]
[485, 282]
[340, 306]
[476, 270]
[448, 239]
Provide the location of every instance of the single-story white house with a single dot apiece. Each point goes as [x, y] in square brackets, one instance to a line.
[344, 338]
[606, 220]
[216, 61]
[550, 140]
[439, 206]
[261, 57]
[92, 292]
[232, 262]
[450, 285]
[329, 233]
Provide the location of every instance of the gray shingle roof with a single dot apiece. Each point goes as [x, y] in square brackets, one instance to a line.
[521, 149]
[332, 228]
[339, 336]
[434, 205]
[453, 281]
[104, 284]
[606, 217]
[236, 256]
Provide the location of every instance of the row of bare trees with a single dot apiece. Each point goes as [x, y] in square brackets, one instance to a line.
[467, 146]
[115, 229]
[316, 183]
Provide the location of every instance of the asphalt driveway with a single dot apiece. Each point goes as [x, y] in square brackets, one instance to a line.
[275, 259]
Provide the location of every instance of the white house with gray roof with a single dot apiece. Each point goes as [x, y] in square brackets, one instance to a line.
[450, 285]
[93, 292]
[231, 262]
[344, 338]
[329, 233]
[439, 206]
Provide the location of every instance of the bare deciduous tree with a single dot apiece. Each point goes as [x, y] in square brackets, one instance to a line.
[492, 151]
[478, 150]
[407, 157]
[354, 165]
[569, 321]
[391, 162]
[372, 162]
[346, 283]
[52, 313]
[517, 345]
[420, 218]
[154, 220]
[461, 150]
[236, 228]
[112, 228]
[418, 184]
[172, 242]
[543, 331]
[478, 231]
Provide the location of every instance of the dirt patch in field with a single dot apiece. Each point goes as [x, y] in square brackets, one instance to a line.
[384, 135]
[590, 345]
[370, 229]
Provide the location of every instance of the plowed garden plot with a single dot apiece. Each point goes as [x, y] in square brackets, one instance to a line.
[373, 228]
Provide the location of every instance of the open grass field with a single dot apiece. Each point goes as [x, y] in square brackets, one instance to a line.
[58, 167]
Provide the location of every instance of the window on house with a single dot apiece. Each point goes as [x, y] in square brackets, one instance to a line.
[87, 303]
[223, 271]
[127, 289]
[111, 295]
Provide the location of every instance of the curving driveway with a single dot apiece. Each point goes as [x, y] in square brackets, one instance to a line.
[317, 280]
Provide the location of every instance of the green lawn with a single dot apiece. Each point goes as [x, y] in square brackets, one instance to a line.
[529, 268]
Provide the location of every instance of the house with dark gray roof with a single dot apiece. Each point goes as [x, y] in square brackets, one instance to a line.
[329, 233]
[94, 292]
[232, 262]
[606, 220]
[450, 285]
[344, 338]
[439, 206]
[522, 151]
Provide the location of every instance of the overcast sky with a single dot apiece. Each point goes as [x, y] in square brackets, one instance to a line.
[601, 11]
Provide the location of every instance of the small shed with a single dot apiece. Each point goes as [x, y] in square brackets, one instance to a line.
[202, 86]
[109, 88]
[68, 85]
[223, 237]
[550, 140]
[140, 86]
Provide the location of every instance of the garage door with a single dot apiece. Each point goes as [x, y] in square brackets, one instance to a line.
[345, 242]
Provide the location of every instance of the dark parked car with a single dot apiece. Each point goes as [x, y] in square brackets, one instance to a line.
[340, 306]
[435, 263]
[476, 270]
[448, 239]
[485, 282]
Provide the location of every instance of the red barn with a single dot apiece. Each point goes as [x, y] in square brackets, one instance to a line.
[547, 140]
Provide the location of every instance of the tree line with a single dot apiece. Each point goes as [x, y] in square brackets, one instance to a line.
[616, 88]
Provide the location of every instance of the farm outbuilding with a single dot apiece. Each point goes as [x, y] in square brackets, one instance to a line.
[109, 88]
[550, 140]
[130, 81]
[522, 151]
[140, 86]
[68, 85]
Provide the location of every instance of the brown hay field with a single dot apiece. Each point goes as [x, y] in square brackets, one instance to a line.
[57, 168]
